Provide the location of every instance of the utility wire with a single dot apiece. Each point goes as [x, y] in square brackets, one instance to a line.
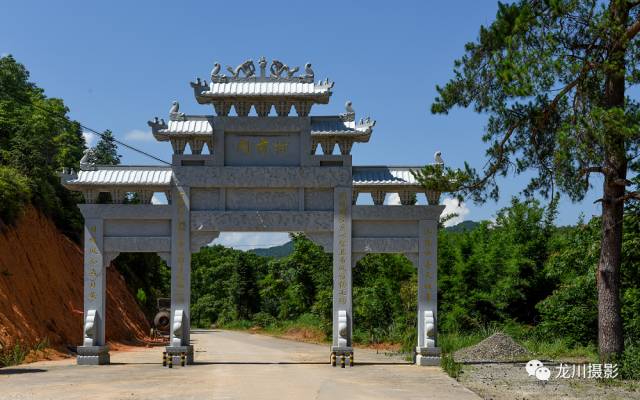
[64, 117]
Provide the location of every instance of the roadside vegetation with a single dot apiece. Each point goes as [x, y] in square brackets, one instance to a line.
[18, 352]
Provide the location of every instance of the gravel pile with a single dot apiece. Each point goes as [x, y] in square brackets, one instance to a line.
[497, 347]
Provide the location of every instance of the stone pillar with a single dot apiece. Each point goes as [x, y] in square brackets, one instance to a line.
[427, 352]
[180, 275]
[94, 350]
[342, 306]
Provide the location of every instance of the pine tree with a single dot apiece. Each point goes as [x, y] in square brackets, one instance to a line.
[106, 151]
[552, 75]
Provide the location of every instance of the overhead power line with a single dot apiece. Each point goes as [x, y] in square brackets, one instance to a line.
[64, 117]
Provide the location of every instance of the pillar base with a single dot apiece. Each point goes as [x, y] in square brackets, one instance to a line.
[341, 350]
[178, 350]
[428, 356]
[93, 355]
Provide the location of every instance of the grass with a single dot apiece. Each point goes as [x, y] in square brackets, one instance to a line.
[16, 354]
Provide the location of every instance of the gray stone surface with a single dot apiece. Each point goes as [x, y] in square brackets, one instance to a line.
[385, 245]
[275, 221]
[396, 213]
[261, 177]
[132, 244]
[342, 296]
[125, 211]
[93, 355]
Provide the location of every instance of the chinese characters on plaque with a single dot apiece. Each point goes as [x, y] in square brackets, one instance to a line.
[262, 146]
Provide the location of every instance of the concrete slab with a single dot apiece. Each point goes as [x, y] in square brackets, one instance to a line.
[233, 365]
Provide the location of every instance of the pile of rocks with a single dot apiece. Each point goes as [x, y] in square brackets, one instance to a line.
[497, 347]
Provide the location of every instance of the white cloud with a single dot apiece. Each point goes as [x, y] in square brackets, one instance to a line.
[251, 240]
[90, 138]
[139, 135]
[393, 199]
[4, 55]
[453, 207]
[159, 198]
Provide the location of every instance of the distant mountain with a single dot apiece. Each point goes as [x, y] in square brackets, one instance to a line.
[277, 251]
[463, 226]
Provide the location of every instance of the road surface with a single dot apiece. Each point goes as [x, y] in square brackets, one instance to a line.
[232, 365]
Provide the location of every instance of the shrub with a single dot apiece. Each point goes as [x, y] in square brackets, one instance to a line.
[630, 368]
[15, 193]
[263, 319]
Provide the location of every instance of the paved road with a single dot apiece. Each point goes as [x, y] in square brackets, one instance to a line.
[232, 365]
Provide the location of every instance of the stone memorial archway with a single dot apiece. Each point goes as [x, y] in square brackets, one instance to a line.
[261, 173]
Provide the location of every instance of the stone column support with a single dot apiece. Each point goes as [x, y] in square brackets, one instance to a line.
[342, 304]
[378, 197]
[94, 350]
[180, 275]
[427, 351]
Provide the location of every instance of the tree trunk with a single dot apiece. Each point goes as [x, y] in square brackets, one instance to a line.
[610, 339]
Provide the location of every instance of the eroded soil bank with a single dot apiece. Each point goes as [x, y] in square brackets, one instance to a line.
[41, 284]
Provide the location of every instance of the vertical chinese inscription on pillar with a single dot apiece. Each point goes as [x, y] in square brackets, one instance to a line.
[342, 248]
[93, 263]
[429, 264]
[181, 239]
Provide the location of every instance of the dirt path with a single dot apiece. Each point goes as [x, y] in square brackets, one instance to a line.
[233, 365]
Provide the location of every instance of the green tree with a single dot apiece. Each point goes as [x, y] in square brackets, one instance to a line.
[106, 150]
[552, 76]
[37, 139]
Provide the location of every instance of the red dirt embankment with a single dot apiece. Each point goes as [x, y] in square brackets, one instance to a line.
[41, 284]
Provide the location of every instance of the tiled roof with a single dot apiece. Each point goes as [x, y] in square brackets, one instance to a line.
[124, 175]
[333, 125]
[265, 89]
[393, 176]
[189, 126]
[329, 125]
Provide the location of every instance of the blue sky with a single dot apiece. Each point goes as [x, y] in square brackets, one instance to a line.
[118, 64]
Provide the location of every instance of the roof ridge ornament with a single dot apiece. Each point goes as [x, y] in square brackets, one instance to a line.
[278, 67]
[247, 68]
[350, 114]
[174, 114]
[246, 72]
[87, 162]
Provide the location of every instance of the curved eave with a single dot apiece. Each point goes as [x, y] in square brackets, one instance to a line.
[124, 177]
[356, 136]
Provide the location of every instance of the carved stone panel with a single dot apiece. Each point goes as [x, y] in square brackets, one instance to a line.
[205, 199]
[132, 228]
[267, 176]
[318, 199]
[266, 221]
[262, 199]
[149, 244]
[383, 229]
